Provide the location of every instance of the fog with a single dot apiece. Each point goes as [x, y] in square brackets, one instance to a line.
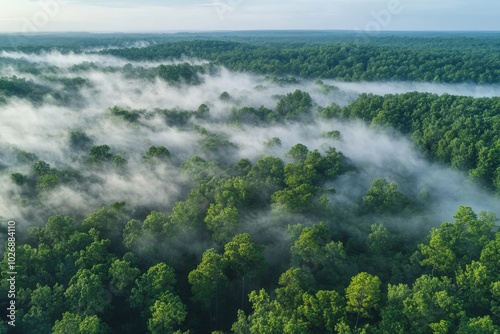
[394, 87]
[136, 44]
[375, 154]
[65, 60]
[43, 129]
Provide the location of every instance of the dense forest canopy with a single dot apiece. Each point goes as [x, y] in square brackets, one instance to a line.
[252, 182]
[342, 61]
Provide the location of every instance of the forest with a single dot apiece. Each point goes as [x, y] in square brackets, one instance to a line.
[251, 183]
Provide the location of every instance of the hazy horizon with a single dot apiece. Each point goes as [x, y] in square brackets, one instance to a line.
[240, 15]
[386, 32]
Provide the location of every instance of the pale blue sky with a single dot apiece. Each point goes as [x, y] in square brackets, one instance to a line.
[196, 15]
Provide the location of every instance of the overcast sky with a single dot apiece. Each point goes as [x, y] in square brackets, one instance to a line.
[198, 15]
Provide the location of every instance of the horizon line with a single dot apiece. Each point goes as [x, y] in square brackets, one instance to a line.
[238, 31]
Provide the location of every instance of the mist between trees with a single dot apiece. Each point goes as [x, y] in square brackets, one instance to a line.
[182, 195]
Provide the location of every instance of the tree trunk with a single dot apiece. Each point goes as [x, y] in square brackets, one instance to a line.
[217, 304]
[243, 293]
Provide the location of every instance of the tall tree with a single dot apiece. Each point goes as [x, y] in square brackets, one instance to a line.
[453, 245]
[76, 324]
[208, 280]
[322, 311]
[363, 295]
[166, 313]
[158, 280]
[87, 294]
[244, 259]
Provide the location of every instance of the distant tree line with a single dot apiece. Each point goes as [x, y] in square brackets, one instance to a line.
[343, 61]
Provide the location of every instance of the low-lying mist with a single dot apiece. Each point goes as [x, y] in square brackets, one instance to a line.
[65, 60]
[30, 132]
[394, 87]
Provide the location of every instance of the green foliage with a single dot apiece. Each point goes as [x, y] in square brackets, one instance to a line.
[75, 324]
[180, 73]
[198, 169]
[273, 142]
[334, 134]
[157, 153]
[99, 154]
[150, 286]
[154, 222]
[474, 285]
[41, 168]
[86, 293]
[47, 181]
[393, 317]
[106, 220]
[298, 152]
[269, 170]
[241, 168]
[283, 81]
[18, 178]
[450, 129]
[293, 283]
[243, 257]
[432, 304]
[214, 145]
[225, 96]
[222, 216]
[293, 106]
[490, 257]
[22, 88]
[439, 59]
[166, 312]
[363, 295]
[45, 306]
[380, 239]
[185, 215]
[370, 266]
[296, 200]
[307, 249]
[322, 311]
[180, 118]
[127, 115]
[24, 157]
[455, 244]
[132, 233]
[119, 161]
[58, 229]
[495, 303]
[267, 317]
[383, 197]
[326, 259]
[250, 115]
[222, 221]
[122, 276]
[303, 178]
[202, 110]
[313, 250]
[78, 140]
[480, 325]
[208, 278]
